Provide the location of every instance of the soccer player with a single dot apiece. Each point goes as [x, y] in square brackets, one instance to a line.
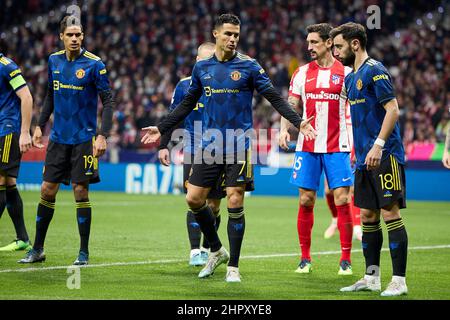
[380, 177]
[76, 78]
[16, 104]
[320, 84]
[446, 155]
[227, 81]
[191, 142]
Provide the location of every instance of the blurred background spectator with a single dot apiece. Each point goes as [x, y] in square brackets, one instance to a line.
[149, 45]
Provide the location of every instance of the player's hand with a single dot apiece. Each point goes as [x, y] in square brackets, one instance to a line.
[37, 138]
[25, 142]
[307, 129]
[164, 157]
[373, 158]
[151, 136]
[446, 159]
[99, 146]
[283, 140]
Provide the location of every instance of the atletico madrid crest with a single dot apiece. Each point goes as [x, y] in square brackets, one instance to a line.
[336, 79]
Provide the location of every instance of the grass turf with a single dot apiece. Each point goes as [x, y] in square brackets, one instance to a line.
[139, 250]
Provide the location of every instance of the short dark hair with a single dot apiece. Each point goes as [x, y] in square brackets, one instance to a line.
[226, 18]
[69, 21]
[351, 31]
[323, 29]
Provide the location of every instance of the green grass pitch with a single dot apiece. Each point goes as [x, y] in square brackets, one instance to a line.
[139, 250]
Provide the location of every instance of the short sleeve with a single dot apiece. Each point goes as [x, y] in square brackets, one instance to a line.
[101, 77]
[382, 84]
[261, 81]
[195, 87]
[295, 86]
[13, 74]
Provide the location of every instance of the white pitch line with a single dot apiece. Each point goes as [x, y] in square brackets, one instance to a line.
[266, 256]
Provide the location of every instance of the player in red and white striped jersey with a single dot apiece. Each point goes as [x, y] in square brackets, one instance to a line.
[320, 86]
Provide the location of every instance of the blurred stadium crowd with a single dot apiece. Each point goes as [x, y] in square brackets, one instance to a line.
[148, 46]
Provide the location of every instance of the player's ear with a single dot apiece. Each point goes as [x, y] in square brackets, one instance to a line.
[215, 33]
[82, 36]
[329, 43]
[355, 45]
[61, 36]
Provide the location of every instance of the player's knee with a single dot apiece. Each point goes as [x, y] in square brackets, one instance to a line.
[49, 190]
[214, 205]
[307, 200]
[341, 199]
[194, 201]
[81, 192]
[235, 200]
[368, 216]
[10, 181]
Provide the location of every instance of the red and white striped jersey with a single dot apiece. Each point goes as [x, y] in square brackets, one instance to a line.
[322, 91]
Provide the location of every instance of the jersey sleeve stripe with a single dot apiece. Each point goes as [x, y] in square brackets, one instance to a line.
[4, 61]
[58, 53]
[291, 94]
[17, 82]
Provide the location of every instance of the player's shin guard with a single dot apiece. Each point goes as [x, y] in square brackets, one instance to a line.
[372, 241]
[305, 222]
[194, 232]
[331, 205]
[15, 209]
[398, 245]
[84, 217]
[205, 219]
[216, 225]
[345, 226]
[2, 199]
[46, 208]
[236, 230]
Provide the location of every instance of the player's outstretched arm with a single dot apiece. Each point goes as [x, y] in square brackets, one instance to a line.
[164, 156]
[307, 129]
[151, 136]
[285, 125]
[26, 101]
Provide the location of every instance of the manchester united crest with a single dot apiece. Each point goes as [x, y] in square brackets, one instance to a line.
[80, 73]
[235, 75]
[359, 84]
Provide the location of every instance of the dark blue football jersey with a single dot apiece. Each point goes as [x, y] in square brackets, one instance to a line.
[193, 123]
[75, 86]
[368, 90]
[227, 88]
[11, 80]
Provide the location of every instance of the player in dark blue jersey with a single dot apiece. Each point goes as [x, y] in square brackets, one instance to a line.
[227, 80]
[380, 177]
[16, 106]
[191, 141]
[76, 78]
